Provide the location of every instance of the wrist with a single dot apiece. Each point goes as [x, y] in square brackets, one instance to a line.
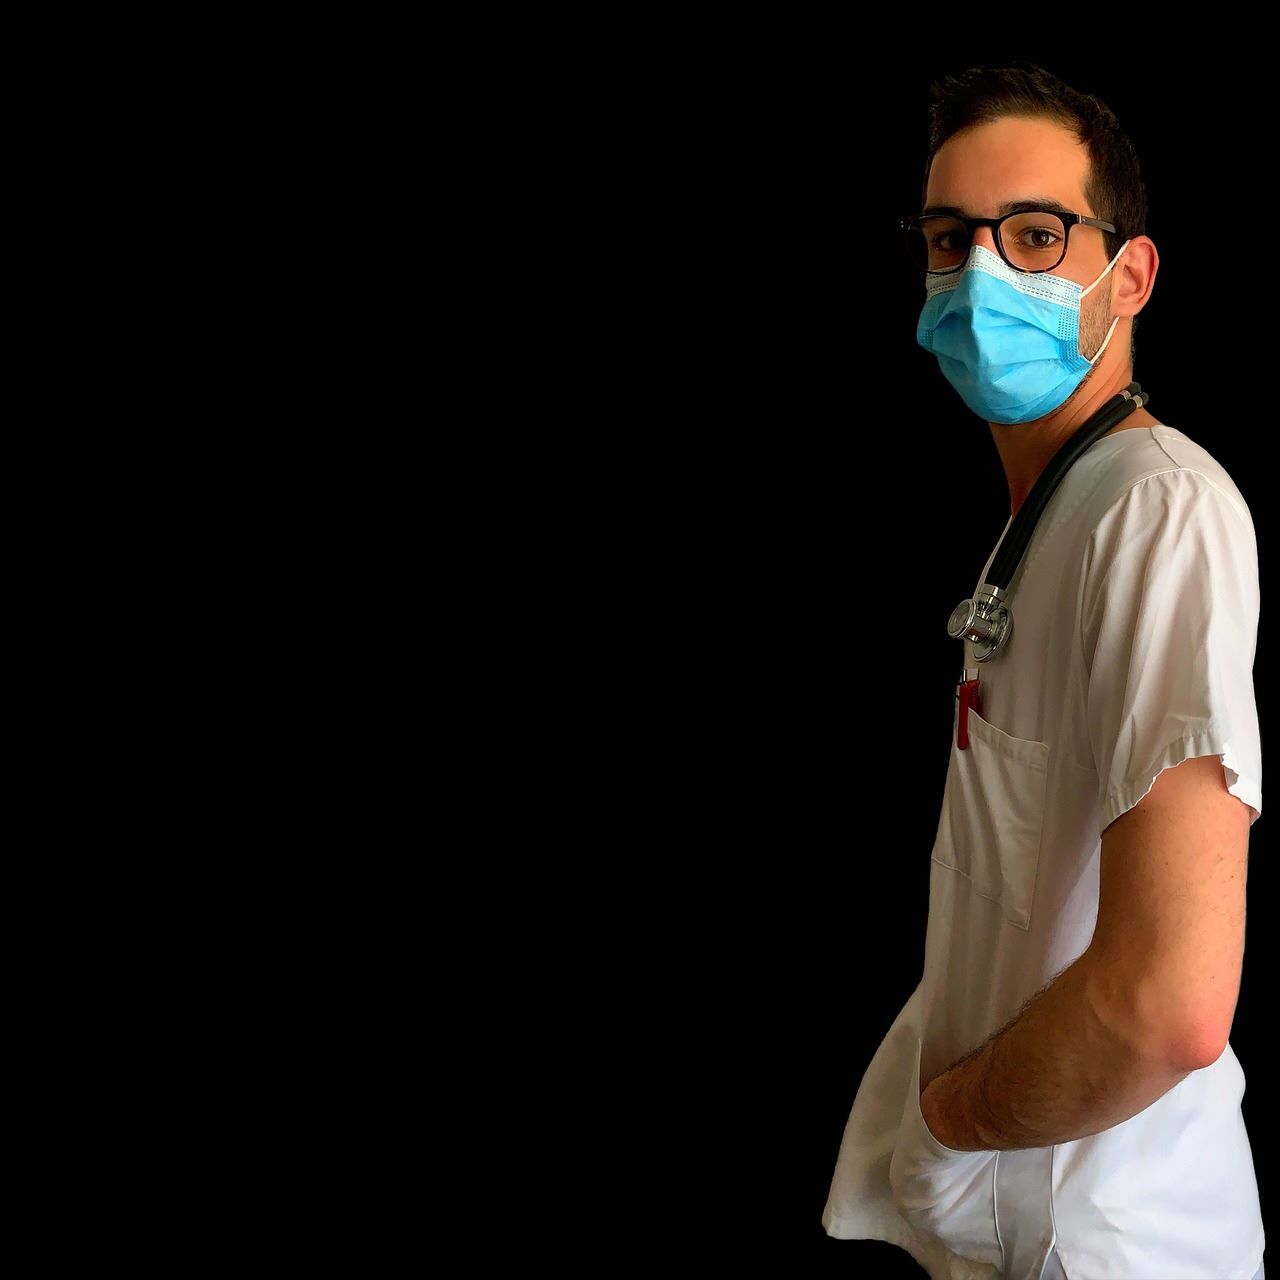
[933, 1111]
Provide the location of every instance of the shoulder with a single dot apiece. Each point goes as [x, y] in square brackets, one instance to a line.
[1197, 467]
[1160, 475]
[1164, 527]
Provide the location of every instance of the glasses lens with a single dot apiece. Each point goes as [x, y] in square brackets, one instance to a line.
[937, 242]
[1034, 241]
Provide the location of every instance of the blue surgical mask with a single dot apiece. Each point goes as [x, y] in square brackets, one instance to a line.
[1008, 341]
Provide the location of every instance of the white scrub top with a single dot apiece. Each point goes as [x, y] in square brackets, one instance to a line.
[1135, 628]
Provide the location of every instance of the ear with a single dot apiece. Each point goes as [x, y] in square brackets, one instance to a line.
[1135, 276]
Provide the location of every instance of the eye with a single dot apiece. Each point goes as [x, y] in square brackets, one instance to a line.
[1039, 237]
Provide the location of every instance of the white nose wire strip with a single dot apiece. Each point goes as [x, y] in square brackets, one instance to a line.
[1052, 288]
[1036, 284]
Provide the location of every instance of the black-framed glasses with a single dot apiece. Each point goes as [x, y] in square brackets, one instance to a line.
[1030, 240]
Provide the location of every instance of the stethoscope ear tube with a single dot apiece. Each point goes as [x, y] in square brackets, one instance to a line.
[1015, 543]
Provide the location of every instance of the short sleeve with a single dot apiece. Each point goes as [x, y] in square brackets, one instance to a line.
[1169, 626]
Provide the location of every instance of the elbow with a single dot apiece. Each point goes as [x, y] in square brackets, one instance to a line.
[1196, 1040]
[1164, 1030]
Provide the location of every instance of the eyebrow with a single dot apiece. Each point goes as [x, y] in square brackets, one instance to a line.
[1009, 206]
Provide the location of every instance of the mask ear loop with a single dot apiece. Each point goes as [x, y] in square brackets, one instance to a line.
[1097, 355]
[1107, 268]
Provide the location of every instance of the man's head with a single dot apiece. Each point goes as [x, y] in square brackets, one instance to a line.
[1015, 132]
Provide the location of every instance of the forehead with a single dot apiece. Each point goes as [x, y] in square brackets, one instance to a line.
[988, 165]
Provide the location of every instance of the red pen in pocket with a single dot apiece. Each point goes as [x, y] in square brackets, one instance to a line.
[967, 692]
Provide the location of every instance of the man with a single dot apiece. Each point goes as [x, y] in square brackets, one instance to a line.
[1058, 1099]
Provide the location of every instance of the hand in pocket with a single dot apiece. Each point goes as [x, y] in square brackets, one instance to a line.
[945, 1193]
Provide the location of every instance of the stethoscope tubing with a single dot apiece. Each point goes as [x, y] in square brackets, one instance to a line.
[1015, 543]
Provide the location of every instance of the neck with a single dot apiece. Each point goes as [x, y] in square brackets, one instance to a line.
[1026, 447]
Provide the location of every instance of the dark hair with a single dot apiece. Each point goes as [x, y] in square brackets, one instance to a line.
[1113, 185]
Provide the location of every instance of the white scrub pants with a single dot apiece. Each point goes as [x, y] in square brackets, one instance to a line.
[1053, 1269]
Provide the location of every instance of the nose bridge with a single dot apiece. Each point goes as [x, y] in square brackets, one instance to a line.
[986, 237]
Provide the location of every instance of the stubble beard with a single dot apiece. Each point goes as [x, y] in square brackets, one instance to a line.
[1095, 320]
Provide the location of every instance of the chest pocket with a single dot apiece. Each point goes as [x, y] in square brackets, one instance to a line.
[993, 816]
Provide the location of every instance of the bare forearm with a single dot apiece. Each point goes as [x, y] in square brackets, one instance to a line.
[1070, 1065]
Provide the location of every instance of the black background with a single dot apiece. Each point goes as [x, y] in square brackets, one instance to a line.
[809, 500]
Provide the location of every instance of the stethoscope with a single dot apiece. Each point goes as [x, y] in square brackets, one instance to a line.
[985, 620]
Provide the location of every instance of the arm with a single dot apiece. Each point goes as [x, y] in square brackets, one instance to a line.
[1149, 1001]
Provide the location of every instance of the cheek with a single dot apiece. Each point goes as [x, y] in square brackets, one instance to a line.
[1096, 315]
[1094, 319]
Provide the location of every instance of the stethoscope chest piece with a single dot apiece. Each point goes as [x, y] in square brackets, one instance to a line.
[985, 621]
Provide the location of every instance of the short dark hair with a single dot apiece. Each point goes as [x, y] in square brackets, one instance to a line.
[1113, 184]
